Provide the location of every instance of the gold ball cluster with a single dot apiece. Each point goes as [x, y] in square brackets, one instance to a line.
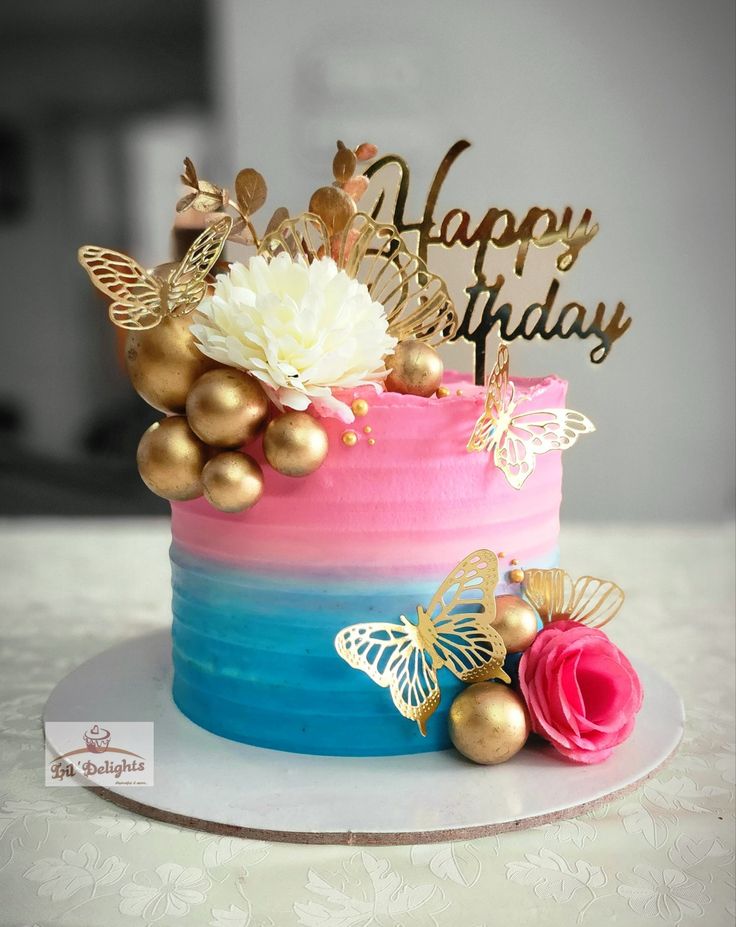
[489, 722]
[213, 411]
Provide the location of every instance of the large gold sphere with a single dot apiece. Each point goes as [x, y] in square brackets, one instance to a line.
[295, 444]
[489, 723]
[163, 363]
[227, 408]
[232, 481]
[170, 459]
[516, 622]
[416, 368]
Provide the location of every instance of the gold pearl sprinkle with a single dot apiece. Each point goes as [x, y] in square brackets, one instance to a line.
[458, 392]
[349, 438]
[514, 562]
[371, 441]
[360, 407]
[367, 430]
[516, 576]
[442, 391]
[501, 555]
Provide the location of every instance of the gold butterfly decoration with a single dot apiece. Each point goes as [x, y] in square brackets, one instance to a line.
[455, 631]
[416, 301]
[141, 299]
[588, 600]
[516, 438]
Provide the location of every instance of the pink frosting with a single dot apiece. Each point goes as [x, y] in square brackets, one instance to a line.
[581, 691]
[410, 505]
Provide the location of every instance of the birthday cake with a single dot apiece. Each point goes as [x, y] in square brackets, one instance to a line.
[364, 553]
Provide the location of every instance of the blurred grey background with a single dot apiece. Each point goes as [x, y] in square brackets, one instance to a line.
[626, 108]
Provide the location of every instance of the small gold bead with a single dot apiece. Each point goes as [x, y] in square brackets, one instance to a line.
[501, 555]
[514, 562]
[349, 438]
[360, 407]
[516, 576]
[371, 441]
[367, 430]
[442, 392]
[458, 392]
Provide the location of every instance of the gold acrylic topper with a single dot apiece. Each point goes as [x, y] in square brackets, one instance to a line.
[516, 439]
[416, 302]
[588, 601]
[455, 631]
[140, 299]
[499, 229]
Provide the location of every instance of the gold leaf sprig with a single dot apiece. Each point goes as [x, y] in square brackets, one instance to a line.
[250, 195]
[336, 205]
[204, 196]
[344, 166]
[250, 191]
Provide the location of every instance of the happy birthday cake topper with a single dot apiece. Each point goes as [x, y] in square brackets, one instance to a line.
[497, 230]
[334, 298]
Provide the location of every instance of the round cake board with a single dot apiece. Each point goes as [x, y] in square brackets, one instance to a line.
[213, 784]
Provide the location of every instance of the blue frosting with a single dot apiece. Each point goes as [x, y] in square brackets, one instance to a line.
[254, 661]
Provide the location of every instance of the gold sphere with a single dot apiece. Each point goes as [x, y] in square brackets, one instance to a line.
[163, 363]
[170, 459]
[489, 723]
[232, 481]
[416, 368]
[349, 438]
[516, 576]
[295, 444]
[227, 408]
[516, 622]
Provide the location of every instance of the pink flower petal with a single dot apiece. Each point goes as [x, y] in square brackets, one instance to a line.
[581, 691]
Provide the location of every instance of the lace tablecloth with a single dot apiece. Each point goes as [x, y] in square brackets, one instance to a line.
[662, 855]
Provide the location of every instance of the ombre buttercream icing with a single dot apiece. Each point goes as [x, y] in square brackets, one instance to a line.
[259, 596]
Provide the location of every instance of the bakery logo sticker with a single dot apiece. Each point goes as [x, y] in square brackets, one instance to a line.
[103, 754]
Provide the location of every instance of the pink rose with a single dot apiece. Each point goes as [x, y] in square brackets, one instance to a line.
[581, 691]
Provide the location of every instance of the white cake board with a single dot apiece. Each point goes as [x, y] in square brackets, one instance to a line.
[207, 782]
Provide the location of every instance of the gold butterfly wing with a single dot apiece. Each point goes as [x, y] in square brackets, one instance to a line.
[595, 601]
[459, 621]
[393, 657]
[413, 686]
[416, 301]
[549, 591]
[136, 294]
[590, 601]
[498, 397]
[532, 433]
[550, 429]
[187, 284]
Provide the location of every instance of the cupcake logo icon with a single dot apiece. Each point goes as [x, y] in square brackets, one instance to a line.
[99, 753]
[97, 739]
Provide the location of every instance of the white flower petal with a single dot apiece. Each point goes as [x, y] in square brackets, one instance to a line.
[301, 329]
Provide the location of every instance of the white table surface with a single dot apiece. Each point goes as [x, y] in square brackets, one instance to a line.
[662, 855]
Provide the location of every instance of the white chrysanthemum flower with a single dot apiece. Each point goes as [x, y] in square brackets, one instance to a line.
[301, 329]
